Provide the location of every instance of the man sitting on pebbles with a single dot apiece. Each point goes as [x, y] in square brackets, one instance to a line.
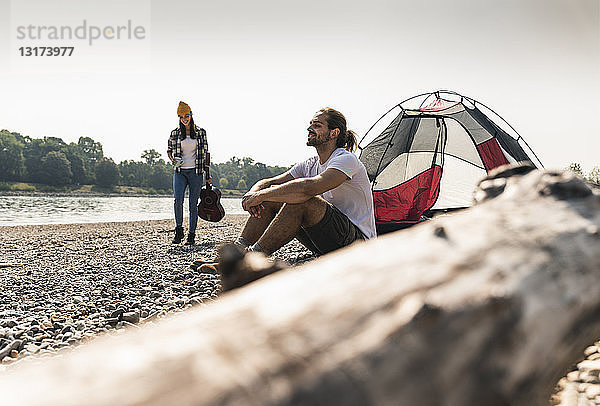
[325, 202]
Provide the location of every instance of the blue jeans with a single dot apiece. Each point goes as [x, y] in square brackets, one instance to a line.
[181, 180]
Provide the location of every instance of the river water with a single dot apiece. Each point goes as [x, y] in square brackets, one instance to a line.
[20, 210]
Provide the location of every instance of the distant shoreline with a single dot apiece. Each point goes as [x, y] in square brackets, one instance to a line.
[98, 194]
[75, 194]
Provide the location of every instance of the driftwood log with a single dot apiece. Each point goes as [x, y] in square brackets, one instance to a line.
[488, 306]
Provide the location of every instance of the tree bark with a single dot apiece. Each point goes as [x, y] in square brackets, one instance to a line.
[488, 306]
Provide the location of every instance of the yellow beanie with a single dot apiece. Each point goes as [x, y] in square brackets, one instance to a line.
[183, 109]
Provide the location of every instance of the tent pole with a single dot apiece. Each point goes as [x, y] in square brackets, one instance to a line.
[380, 118]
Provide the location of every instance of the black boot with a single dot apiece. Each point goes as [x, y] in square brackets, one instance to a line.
[191, 240]
[178, 235]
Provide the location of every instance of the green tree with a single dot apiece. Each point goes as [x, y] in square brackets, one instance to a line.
[151, 156]
[594, 175]
[576, 168]
[91, 149]
[35, 151]
[241, 185]
[107, 173]
[134, 173]
[231, 172]
[161, 177]
[81, 167]
[12, 162]
[56, 169]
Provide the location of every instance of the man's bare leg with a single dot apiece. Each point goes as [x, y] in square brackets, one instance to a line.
[255, 227]
[287, 222]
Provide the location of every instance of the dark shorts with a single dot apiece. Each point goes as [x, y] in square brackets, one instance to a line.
[334, 231]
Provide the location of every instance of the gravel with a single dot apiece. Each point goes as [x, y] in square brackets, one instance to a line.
[581, 386]
[62, 285]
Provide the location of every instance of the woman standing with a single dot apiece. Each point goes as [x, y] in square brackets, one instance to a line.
[187, 151]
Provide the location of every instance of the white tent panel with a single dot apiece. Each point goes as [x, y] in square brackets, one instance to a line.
[460, 144]
[403, 168]
[418, 162]
[459, 180]
[394, 174]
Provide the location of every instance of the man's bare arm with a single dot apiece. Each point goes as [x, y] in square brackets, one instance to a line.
[296, 190]
[276, 180]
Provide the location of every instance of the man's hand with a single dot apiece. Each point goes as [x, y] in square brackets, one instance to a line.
[252, 203]
[256, 211]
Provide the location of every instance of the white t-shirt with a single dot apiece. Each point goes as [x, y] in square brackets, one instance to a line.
[353, 197]
[188, 153]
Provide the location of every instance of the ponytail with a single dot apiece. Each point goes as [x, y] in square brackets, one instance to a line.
[348, 142]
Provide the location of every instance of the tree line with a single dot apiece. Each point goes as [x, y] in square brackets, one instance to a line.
[592, 176]
[51, 161]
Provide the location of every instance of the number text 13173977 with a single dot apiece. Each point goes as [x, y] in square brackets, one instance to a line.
[46, 51]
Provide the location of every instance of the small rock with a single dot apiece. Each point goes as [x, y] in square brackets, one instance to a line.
[131, 317]
[32, 348]
[117, 313]
[9, 323]
[590, 366]
[588, 377]
[590, 350]
[592, 391]
[14, 354]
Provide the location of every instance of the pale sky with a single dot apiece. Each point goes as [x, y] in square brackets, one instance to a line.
[255, 72]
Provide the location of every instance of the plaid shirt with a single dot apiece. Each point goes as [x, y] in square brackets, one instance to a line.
[201, 147]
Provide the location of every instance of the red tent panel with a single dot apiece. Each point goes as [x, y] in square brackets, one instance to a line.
[491, 154]
[410, 199]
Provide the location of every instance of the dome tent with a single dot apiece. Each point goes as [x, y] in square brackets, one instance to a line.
[432, 154]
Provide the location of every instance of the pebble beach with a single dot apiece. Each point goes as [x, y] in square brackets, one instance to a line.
[65, 284]
[62, 285]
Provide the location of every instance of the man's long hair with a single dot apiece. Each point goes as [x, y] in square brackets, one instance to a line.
[335, 119]
[182, 134]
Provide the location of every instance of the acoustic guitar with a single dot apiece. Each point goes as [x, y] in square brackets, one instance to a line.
[210, 208]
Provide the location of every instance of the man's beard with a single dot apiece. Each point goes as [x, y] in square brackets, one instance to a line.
[315, 141]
